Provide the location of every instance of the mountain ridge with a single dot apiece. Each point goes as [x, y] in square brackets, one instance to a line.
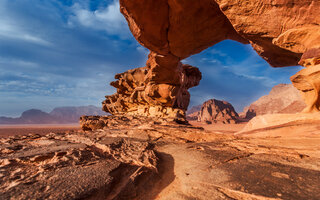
[59, 115]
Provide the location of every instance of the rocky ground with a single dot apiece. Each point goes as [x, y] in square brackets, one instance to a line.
[159, 160]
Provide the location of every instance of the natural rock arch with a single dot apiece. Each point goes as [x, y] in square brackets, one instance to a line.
[281, 31]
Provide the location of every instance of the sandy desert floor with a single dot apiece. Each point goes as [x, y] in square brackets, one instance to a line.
[41, 129]
[219, 128]
[146, 160]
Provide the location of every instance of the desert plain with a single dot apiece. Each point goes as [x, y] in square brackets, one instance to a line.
[148, 149]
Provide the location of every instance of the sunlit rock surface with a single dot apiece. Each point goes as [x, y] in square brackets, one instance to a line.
[139, 159]
[280, 31]
[216, 111]
[307, 81]
[159, 90]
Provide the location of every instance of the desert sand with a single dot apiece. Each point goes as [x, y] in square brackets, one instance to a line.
[219, 128]
[140, 159]
[41, 129]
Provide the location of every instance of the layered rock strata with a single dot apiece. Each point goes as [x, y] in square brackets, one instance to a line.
[160, 89]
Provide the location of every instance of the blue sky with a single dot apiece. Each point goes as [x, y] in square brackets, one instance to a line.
[65, 53]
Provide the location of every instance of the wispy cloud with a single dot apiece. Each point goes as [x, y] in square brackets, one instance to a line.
[12, 29]
[45, 62]
[107, 18]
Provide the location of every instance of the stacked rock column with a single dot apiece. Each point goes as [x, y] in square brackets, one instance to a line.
[160, 89]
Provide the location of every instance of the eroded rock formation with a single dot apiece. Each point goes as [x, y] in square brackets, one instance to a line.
[308, 80]
[160, 89]
[215, 111]
[280, 31]
[160, 161]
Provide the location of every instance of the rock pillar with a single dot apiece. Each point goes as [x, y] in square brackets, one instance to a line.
[160, 89]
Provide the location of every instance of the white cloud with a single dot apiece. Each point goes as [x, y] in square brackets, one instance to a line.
[18, 62]
[12, 29]
[108, 19]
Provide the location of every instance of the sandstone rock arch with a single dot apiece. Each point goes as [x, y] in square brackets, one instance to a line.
[281, 31]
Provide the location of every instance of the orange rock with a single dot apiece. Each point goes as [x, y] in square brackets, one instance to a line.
[308, 80]
[159, 89]
[280, 31]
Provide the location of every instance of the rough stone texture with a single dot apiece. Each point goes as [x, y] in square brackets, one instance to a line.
[160, 89]
[215, 111]
[140, 159]
[75, 166]
[280, 31]
[307, 81]
[161, 25]
[283, 98]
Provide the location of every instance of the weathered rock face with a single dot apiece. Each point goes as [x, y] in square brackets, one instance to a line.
[215, 111]
[283, 98]
[307, 81]
[160, 89]
[280, 31]
[177, 27]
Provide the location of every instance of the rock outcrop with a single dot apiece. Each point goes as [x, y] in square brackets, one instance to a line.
[283, 98]
[215, 111]
[280, 31]
[160, 161]
[59, 115]
[159, 90]
[307, 81]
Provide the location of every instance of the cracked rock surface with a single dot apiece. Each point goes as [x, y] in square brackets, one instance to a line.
[149, 160]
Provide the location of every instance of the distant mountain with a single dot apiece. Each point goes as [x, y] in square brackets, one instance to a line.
[194, 109]
[283, 98]
[73, 113]
[214, 111]
[61, 115]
